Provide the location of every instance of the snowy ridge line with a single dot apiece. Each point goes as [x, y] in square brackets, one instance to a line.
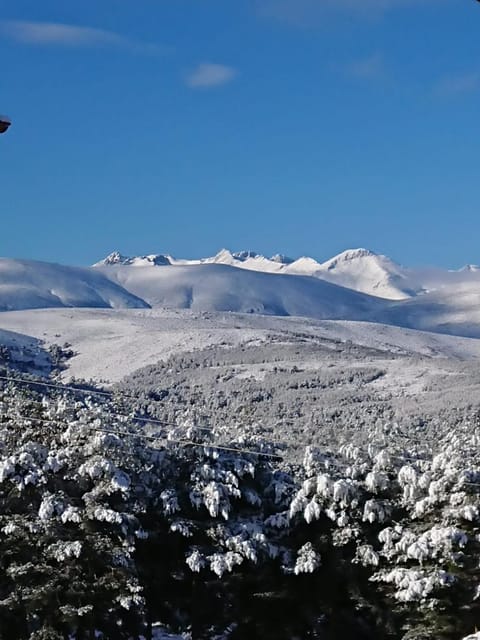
[110, 394]
[145, 437]
[186, 442]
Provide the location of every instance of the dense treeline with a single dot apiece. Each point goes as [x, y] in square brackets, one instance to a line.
[308, 392]
[104, 533]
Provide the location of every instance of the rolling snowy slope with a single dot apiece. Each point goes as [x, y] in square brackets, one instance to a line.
[451, 308]
[27, 284]
[113, 343]
[215, 287]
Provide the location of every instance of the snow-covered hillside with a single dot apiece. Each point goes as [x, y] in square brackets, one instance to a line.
[110, 344]
[27, 284]
[452, 308]
[215, 287]
[24, 352]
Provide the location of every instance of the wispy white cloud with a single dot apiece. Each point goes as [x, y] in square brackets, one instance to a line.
[308, 12]
[207, 75]
[458, 83]
[369, 68]
[67, 35]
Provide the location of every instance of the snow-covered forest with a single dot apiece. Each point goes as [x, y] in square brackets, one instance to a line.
[239, 320]
[117, 525]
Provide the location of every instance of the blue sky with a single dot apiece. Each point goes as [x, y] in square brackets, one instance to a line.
[296, 126]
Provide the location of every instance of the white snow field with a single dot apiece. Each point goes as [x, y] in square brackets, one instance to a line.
[110, 344]
[28, 284]
[215, 287]
[453, 308]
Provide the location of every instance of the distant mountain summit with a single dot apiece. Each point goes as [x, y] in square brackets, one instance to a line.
[250, 260]
[116, 258]
[369, 272]
[246, 259]
[113, 258]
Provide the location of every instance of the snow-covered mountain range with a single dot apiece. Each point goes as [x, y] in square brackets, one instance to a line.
[355, 285]
[359, 269]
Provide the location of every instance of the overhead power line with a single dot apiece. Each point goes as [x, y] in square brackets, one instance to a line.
[143, 436]
[143, 419]
[166, 423]
[62, 387]
[187, 442]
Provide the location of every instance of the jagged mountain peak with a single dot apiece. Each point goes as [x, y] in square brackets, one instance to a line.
[223, 253]
[117, 258]
[113, 258]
